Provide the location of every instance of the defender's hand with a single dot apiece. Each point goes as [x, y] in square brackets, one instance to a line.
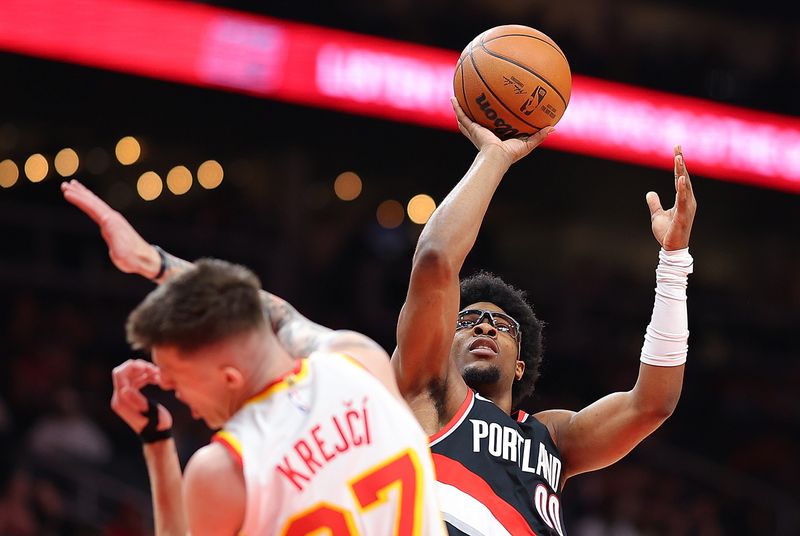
[514, 148]
[128, 401]
[129, 252]
[673, 227]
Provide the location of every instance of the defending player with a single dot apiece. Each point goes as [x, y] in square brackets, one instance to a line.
[323, 444]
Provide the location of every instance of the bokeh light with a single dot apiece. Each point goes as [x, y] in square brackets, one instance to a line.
[149, 186]
[347, 186]
[9, 173]
[66, 162]
[36, 167]
[210, 174]
[390, 214]
[420, 208]
[179, 180]
[128, 150]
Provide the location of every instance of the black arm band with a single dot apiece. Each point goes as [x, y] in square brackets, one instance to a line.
[163, 267]
[150, 432]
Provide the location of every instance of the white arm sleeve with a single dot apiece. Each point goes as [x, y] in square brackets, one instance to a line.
[667, 336]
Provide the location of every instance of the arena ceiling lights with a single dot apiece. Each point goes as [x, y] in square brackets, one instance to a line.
[206, 46]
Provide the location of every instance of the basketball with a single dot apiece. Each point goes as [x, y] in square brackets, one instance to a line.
[513, 80]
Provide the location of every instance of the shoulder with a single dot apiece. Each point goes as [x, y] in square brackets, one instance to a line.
[365, 352]
[214, 492]
[554, 420]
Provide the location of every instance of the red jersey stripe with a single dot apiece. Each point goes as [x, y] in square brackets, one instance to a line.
[457, 417]
[452, 473]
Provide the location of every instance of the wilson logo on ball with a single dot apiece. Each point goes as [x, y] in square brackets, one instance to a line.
[500, 127]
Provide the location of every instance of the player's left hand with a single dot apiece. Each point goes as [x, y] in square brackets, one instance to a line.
[672, 227]
[514, 148]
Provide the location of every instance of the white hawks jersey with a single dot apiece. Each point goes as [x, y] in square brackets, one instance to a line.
[329, 450]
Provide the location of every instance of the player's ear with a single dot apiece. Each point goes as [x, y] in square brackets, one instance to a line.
[233, 377]
[519, 370]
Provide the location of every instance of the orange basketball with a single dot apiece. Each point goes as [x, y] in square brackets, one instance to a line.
[513, 80]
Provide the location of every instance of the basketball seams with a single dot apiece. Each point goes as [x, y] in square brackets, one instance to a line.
[554, 47]
[521, 66]
[468, 111]
[498, 99]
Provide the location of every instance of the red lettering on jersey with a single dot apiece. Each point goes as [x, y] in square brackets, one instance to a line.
[320, 444]
[366, 423]
[304, 451]
[293, 476]
[352, 415]
[345, 444]
[326, 441]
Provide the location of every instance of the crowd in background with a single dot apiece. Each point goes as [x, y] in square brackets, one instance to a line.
[725, 463]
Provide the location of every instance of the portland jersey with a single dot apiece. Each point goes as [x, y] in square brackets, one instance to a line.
[497, 474]
[329, 450]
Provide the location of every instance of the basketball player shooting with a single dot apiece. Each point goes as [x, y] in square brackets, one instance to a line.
[479, 353]
[468, 354]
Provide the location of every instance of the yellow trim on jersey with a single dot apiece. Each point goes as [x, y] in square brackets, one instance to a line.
[282, 384]
[229, 442]
[230, 439]
[351, 360]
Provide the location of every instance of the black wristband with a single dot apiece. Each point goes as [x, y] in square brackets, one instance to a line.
[163, 268]
[150, 433]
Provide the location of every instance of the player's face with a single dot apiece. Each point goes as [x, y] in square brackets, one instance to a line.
[198, 382]
[486, 345]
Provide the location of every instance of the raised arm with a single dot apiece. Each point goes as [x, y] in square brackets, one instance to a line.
[427, 320]
[608, 429]
[132, 254]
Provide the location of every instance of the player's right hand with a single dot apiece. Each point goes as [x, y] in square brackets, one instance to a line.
[128, 250]
[128, 401]
[513, 149]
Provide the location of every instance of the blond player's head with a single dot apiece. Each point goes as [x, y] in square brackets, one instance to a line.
[208, 335]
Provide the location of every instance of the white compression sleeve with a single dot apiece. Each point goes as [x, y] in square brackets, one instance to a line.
[667, 336]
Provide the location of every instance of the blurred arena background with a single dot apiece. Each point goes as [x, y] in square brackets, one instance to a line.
[570, 228]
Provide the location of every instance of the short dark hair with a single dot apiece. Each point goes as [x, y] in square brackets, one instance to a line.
[206, 304]
[486, 287]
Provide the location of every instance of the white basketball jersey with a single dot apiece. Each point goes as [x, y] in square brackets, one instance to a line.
[328, 450]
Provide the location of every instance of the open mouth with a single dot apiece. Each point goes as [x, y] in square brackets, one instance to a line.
[483, 346]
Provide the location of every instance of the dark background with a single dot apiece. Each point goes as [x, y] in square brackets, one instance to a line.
[572, 231]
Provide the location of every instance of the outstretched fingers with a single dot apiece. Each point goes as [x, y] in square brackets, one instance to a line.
[465, 124]
[654, 204]
[684, 195]
[83, 198]
[538, 137]
[460, 115]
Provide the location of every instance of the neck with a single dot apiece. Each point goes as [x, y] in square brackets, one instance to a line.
[498, 394]
[270, 363]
